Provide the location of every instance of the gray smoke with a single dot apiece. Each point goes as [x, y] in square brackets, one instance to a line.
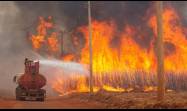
[14, 45]
[16, 20]
[13, 48]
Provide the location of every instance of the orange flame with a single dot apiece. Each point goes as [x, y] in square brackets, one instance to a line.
[107, 59]
[42, 37]
[53, 42]
[126, 56]
[174, 34]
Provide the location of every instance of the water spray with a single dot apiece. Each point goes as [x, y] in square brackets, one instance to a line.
[66, 67]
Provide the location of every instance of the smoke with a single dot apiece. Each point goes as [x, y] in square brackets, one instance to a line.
[181, 8]
[16, 18]
[13, 47]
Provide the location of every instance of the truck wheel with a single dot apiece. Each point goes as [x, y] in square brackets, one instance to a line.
[22, 98]
[40, 99]
[17, 98]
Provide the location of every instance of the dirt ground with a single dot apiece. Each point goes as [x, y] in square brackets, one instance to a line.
[101, 100]
[50, 103]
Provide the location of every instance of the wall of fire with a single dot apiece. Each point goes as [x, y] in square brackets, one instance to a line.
[123, 39]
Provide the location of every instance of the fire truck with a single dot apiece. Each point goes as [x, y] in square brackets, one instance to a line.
[30, 83]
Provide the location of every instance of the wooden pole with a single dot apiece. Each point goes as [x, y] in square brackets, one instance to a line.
[61, 44]
[160, 52]
[90, 47]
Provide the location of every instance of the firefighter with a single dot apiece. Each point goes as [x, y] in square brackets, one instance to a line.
[26, 60]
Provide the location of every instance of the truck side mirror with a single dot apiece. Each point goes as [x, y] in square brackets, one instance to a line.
[14, 79]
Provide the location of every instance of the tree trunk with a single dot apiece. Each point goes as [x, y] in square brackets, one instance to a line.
[160, 52]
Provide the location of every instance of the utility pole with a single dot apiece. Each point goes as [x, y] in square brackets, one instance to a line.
[160, 52]
[61, 43]
[90, 47]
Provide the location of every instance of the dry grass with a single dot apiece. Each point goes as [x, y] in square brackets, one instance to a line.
[133, 100]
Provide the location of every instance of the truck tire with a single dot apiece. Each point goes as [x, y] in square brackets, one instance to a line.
[17, 93]
[17, 98]
[40, 99]
[19, 90]
[22, 98]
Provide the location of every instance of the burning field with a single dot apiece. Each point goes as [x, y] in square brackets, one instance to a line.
[120, 63]
[124, 57]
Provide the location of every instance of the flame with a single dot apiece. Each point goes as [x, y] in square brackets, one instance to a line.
[125, 57]
[42, 37]
[78, 84]
[108, 59]
[68, 57]
[154, 89]
[112, 89]
[132, 56]
[150, 88]
[174, 34]
[37, 40]
[53, 42]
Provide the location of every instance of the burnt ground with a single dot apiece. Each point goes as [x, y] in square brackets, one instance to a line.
[102, 100]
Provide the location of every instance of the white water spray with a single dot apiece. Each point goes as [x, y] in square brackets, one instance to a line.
[54, 70]
[66, 67]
